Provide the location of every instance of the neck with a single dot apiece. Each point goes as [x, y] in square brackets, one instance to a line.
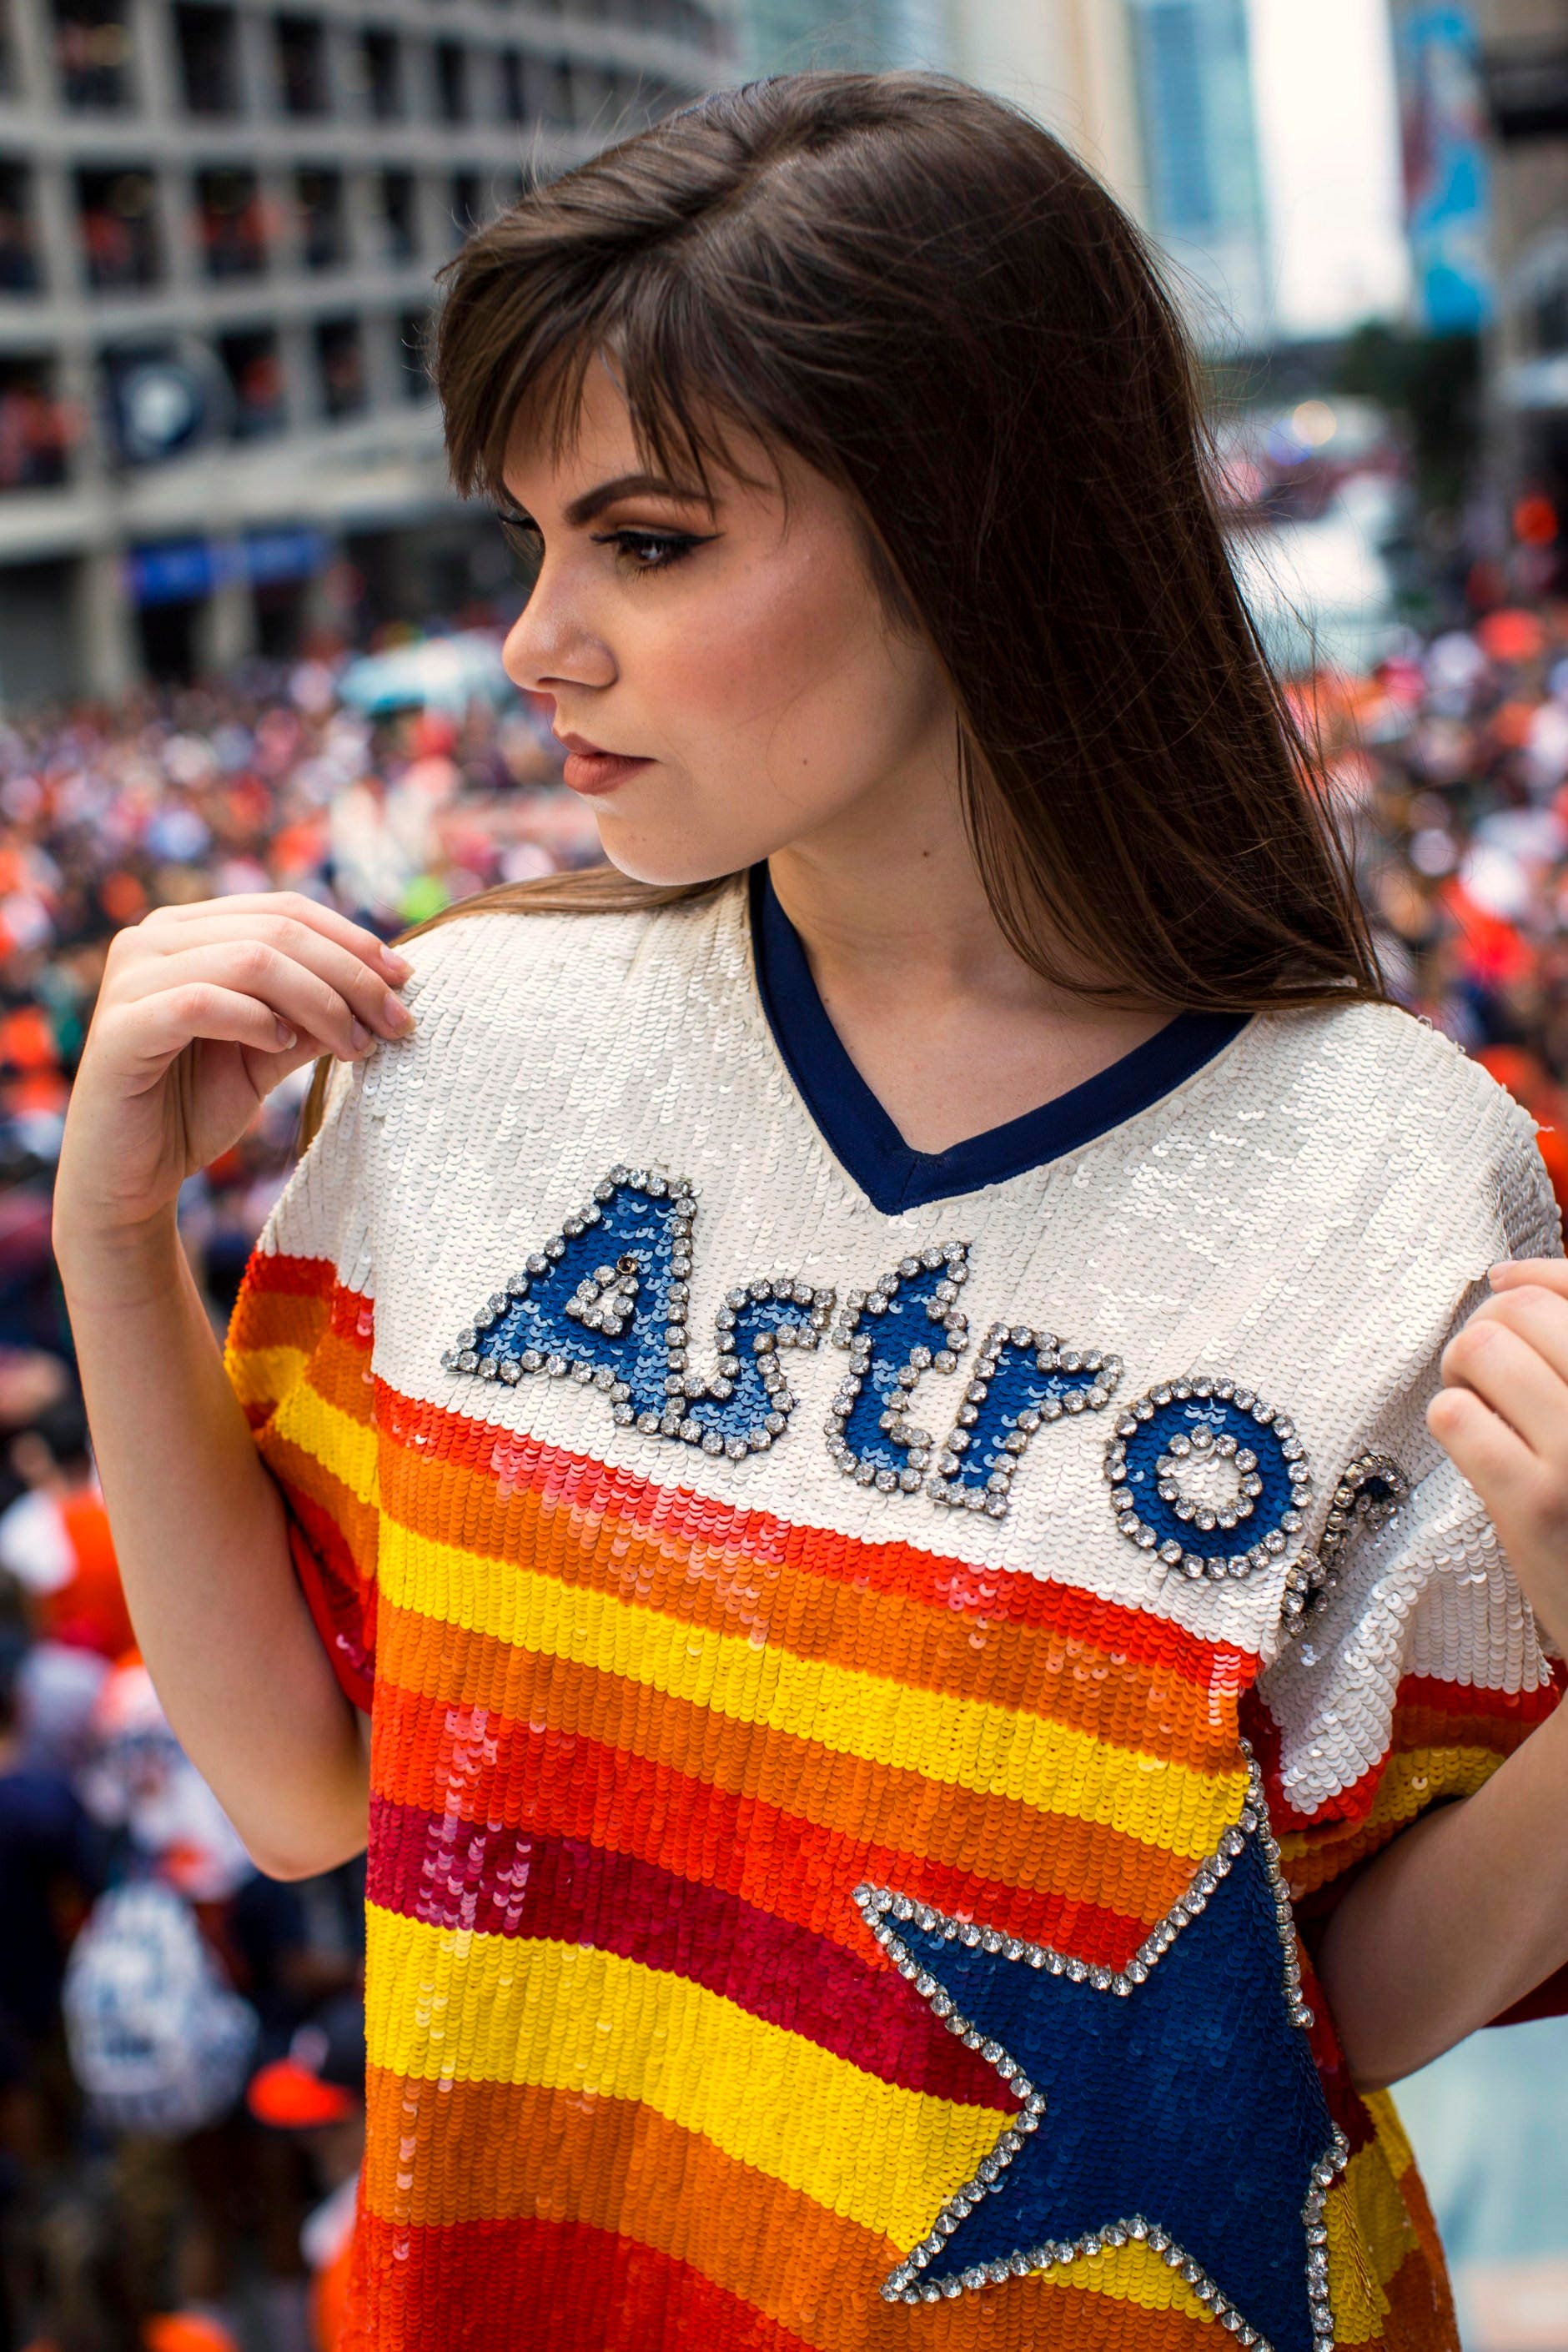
[953, 1032]
[902, 905]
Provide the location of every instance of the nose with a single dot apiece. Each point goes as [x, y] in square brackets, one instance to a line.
[551, 643]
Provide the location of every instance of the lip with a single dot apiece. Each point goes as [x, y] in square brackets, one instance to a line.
[592, 770]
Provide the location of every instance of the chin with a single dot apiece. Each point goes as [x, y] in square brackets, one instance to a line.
[672, 863]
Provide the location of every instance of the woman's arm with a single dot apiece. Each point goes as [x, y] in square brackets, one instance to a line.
[1468, 1911]
[203, 1010]
[199, 1532]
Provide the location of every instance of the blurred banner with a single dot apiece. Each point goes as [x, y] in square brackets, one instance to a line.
[1447, 188]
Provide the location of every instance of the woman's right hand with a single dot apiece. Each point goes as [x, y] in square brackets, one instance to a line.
[203, 1010]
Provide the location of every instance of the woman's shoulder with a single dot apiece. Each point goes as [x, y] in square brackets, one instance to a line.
[498, 992]
[478, 959]
[1382, 1050]
[1411, 1109]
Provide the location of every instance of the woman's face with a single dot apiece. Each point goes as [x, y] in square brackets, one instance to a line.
[741, 668]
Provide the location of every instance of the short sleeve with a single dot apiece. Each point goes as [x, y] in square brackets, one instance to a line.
[299, 1356]
[1422, 1670]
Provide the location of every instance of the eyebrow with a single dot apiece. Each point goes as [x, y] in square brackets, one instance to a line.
[625, 485]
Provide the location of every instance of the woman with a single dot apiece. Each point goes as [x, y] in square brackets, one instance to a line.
[848, 1396]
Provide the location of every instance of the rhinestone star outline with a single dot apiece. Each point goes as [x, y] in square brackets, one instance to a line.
[883, 1910]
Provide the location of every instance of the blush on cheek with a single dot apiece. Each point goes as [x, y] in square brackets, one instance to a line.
[795, 662]
[781, 700]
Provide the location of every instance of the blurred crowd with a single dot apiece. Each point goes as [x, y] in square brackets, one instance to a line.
[1451, 761]
[181, 2039]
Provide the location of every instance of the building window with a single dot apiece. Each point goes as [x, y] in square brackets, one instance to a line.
[339, 366]
[451, 82]
[413, 330]
[19, 254]
[398, 218]
[35, 427]
[254, 371]
[118, 230]
[467, 205]
[560, 99]
[93, 55]
[208, 41]
[381, 74]
[231, 222]
[318, 197]
[1550, 321]
[302, 63]
[513, 88]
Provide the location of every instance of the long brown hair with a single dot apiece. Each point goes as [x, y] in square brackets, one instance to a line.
[919, 292]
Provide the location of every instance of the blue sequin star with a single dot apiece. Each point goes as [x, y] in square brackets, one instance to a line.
[1175, 2101]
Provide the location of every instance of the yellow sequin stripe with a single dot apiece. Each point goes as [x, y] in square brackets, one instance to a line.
[263, 1375]
[962, 1742]
[1369, 2235]
[1131, 2273]
[455, 2003]
[345, 1447]
[592, 2024]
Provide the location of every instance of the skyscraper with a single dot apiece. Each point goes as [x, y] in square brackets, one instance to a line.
[789, 36]
[1193, 74]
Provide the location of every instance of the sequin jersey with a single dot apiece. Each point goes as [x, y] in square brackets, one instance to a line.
[836, 1681]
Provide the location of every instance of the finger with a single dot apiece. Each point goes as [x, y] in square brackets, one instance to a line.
[1482, 1448]
[309, 1006]
[1539, 1316]
[294, 904]
[1508, 1374]
[373, 1003]
[1526, 1500]
[165, 1024]
[1550, 1273]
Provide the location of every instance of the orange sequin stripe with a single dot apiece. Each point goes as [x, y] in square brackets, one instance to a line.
[695, 2206]
[938, 1842]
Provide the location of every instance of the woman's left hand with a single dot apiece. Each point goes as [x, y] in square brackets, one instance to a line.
[1502, 1416]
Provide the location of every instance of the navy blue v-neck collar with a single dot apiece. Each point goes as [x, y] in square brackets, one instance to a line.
[864, 1140]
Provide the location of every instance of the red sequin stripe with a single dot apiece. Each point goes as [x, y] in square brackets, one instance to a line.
[452, 1874]
[273, 1272]
[805, 1608]
[1428, 1710]
[342, 1609]
[576, 2284]
[796, 1858]
[524, 2285]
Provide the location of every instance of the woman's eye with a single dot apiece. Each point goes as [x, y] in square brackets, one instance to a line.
[650, 551]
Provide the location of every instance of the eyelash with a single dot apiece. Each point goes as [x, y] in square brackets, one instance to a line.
[673, 547]
[523, 539]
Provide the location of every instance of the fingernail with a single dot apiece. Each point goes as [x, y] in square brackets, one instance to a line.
[398, 1016]
[399, 966]
[286, 1036]
[360, 1036]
